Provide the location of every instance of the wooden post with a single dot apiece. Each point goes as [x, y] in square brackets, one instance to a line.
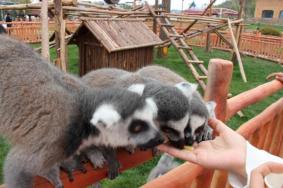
[44, 30]
[239, 28]
[236, 50]
[154, 19]
[208, 46]
[166, 5]
[60, 35]
[217, 88]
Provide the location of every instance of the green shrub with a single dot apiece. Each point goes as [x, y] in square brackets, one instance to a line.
[270, 31]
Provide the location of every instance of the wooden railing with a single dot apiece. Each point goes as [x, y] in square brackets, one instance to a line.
[30, 32]
[264, 131]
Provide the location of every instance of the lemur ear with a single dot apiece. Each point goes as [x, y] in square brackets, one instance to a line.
[137, 88]
[187, 88]
[210, 105]
[106, 116]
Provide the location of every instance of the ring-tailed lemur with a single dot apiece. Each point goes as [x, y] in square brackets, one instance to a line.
[47, 116]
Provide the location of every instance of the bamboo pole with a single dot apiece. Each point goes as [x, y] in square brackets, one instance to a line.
[63, 54]
[44, 30]
[236, 50]
[35, 5]
[69, 8]
[223, 38]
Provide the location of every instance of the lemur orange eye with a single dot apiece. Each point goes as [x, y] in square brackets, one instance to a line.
[138, 126]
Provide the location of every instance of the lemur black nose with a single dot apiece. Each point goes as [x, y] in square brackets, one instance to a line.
[189, 141]
[160, 140]
[178, 144]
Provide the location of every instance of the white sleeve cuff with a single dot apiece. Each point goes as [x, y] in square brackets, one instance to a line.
[254, 158]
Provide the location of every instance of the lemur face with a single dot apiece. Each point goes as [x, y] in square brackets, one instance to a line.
[137, 130]
[172, 110]
[197, 128]
[174, 131]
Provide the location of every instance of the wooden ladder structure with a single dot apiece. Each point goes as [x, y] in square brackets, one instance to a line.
[196, 66]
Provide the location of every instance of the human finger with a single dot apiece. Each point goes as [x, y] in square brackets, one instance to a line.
[270, 167]
[279, 77]
[271, 76]
[257, 180]
[181, 154]
[218, 125]
[258, 174]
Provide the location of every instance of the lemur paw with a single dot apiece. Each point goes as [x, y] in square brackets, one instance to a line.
[205, 134]
[113, 170]
[96, 158]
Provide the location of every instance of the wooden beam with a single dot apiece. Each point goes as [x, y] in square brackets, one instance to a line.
[203, 13]
[44, 30]
[236, 50]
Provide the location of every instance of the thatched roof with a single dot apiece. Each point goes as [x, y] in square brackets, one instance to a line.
[120, 34]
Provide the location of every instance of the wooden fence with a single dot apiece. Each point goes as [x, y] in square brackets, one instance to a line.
[30, 32]
[257, 45]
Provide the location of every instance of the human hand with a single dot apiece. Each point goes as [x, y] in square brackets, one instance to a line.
[258, 174]
[277, 75]
[226, 152]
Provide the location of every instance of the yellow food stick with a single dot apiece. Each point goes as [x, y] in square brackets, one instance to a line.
[189, 148]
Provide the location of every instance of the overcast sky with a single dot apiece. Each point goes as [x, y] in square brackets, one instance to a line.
[177, 4]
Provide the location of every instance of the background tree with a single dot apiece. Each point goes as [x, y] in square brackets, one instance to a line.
[235, 5]
[20, 1]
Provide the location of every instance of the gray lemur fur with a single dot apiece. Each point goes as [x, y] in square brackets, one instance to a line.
[164, 165]
[171, 102]
[197, 108]
[200, 111]
[47, 116]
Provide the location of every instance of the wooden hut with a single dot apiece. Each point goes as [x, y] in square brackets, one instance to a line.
[126, 44]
